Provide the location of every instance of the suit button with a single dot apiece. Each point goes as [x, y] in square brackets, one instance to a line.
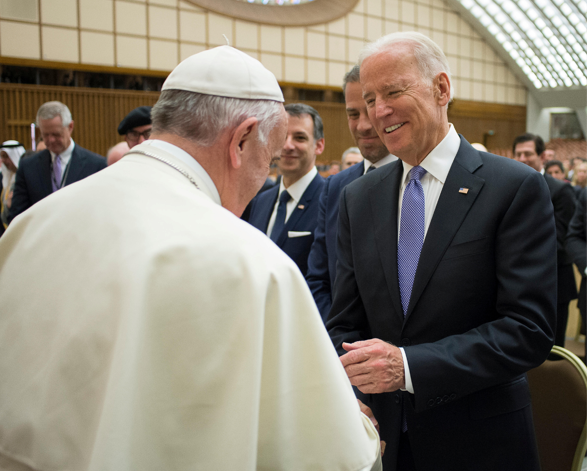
[445, 399]
[438, 400]
[396, 398]
[431, 402]
[453, 396]
[406, 342]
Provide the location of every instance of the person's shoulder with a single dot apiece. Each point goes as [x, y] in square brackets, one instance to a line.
[33, 159]
[266, 197]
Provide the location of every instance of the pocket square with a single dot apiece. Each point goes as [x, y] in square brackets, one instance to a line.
[293, 234]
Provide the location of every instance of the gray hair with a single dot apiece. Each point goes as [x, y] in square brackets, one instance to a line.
[352, 76]
[350, 150]
[51, 109]
[430, 58]
[203, 118]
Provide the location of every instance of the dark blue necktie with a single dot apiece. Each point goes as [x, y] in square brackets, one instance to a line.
[411, 235]
[280, 216]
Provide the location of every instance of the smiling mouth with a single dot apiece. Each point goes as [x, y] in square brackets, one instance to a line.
[393, 128]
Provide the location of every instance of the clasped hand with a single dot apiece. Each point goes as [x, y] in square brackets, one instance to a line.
[374, 366]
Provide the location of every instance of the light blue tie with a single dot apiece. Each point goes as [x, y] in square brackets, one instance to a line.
[409, 245]
[279, 223]
[411, 235]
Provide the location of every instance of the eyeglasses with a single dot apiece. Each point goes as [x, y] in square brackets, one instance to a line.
[134, 135]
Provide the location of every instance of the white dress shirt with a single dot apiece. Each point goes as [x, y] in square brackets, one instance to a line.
[437, 165]
[296, 191]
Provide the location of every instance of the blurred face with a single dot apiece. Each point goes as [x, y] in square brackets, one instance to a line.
[56, 137]
[6, 161]
[364, 134]
[549, 154]
[408, 111]
[299, 153]
[581, 172]
[555, 172]
[352, 159]
[525, 152]
[138, 135]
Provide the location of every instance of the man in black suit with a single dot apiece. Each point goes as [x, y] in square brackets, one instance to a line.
[288, 212]
[322, 258]
[450, 254]
[61, 163]
[529, 149]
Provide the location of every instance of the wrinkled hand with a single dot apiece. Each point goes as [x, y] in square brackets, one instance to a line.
[369, 413]
[374, 366]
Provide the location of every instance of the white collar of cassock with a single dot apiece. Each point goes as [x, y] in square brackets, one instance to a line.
[205, 182]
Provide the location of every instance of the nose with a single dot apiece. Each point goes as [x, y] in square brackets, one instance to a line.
[288, 143]
[381, 109]
[364, 125]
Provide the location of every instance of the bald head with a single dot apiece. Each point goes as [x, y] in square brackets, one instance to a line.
[115, 153]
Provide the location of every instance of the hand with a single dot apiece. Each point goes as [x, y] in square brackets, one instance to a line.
[374, 366]
[369, 413]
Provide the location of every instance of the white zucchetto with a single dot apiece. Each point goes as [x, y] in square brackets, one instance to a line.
[225, 71]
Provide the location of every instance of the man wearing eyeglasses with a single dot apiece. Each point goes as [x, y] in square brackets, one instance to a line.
[136, 126]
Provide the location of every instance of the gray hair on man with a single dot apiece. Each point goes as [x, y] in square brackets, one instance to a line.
[51, 109]
[203, 118]
[350, 150]
[431, 59]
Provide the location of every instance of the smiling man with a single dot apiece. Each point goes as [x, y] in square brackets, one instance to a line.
[288, 213]
[322, 258]
[445, 290]
[61, 163]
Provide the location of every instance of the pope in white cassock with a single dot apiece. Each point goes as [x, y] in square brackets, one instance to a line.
[145, 327]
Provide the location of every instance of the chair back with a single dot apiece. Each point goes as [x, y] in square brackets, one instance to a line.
[559, 406]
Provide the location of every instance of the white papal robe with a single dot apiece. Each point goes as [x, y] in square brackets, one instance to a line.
[146, 328]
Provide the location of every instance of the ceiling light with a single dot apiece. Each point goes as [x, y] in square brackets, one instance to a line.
[547, 32]
[583, 80]
[556, 20]
[493, 29]
[477, 11]
[581, 28]
[537, 84]
[566, 9]
[573, 19]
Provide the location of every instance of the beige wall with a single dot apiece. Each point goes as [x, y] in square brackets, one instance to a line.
[156, 34]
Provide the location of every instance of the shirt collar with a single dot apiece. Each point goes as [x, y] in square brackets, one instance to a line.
[206, 183]
[296, 190]
[384, 161]
[66, 154]
[438, 162]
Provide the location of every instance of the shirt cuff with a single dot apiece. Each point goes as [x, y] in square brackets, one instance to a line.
[407, 375]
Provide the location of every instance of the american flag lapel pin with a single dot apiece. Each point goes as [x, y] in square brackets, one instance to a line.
[301, 206]
[464, 191]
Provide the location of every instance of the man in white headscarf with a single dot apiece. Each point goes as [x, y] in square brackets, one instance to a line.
[146, 327]
[10, 154]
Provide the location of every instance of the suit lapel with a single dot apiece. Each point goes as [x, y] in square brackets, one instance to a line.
[301, 208]
[45, 172]
[265, 211]
[450, 212]
[383, 198]
[76, 166]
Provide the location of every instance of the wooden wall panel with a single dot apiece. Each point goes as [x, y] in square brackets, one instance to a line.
[97, 113]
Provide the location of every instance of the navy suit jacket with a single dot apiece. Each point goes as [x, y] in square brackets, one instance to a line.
[33, 178]
[322, 259]
[301, 220]
[481, 313]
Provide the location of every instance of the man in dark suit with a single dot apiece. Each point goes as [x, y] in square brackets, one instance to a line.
[449, 254]
[576, 248]
[61, 163]
[288, 212]
[529, 149]
[322, 259]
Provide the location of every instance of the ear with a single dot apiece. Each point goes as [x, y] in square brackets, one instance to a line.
[243, 139]
[70, 127]
[442, 88]
[319, 146]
